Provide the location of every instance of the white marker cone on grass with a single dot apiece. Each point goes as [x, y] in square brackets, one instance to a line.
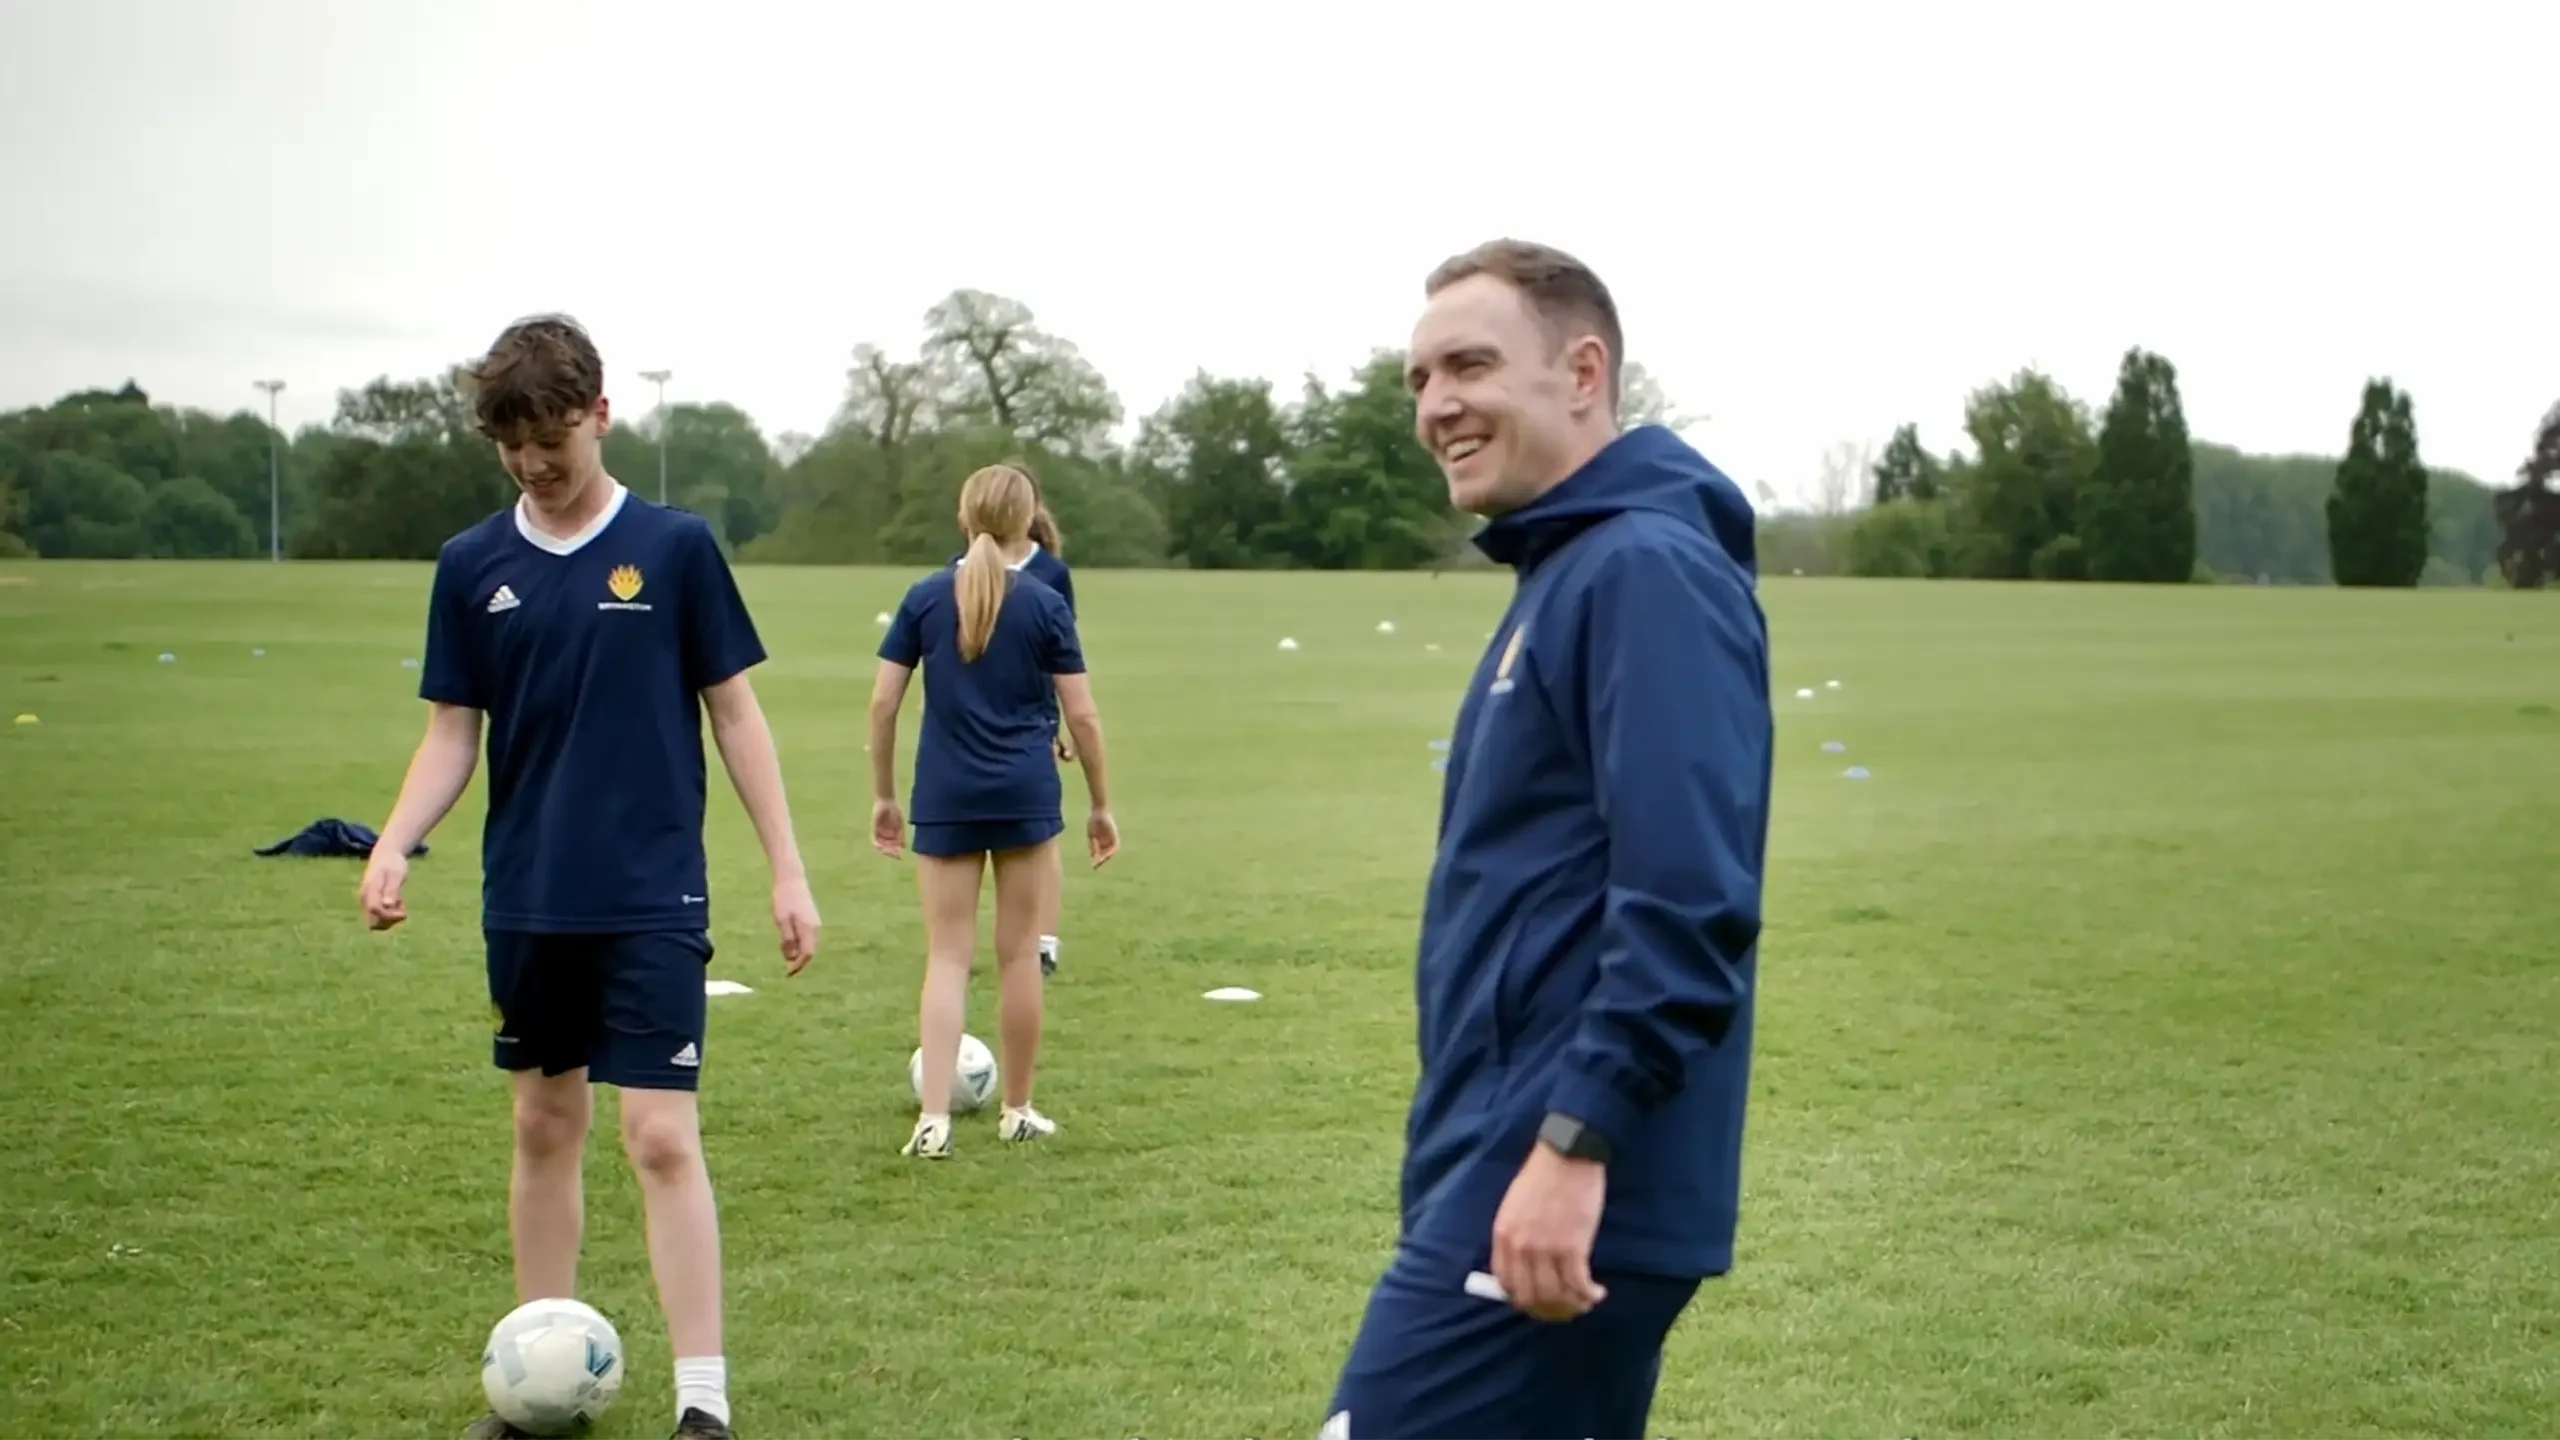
[1287, 643]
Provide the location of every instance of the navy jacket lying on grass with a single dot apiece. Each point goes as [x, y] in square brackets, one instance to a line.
[334, 837]
[1590, 935]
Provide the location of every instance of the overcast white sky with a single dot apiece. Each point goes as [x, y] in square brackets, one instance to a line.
[1820, 220]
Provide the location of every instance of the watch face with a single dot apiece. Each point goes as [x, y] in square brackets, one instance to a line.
[1572, 1139]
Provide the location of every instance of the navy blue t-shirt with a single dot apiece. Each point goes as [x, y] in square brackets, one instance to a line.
[982, 750]
[1051, 571]
[589, 657]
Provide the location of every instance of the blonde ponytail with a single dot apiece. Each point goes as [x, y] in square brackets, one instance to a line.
[996, 506]
[982, 585]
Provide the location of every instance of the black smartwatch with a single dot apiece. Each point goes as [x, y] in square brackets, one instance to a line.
[1573, 1140]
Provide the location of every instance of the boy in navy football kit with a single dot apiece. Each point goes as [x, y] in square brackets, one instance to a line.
[1589, 947]
[590, 629]
[997, 648]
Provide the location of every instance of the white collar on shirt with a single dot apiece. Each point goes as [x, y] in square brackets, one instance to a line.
[1015, 566]
[577, 542]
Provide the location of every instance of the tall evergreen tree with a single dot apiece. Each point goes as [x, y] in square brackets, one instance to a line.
[2528, 536]
[2378, 509]
[1906, 470]
[2528, 516]
[2138, 510]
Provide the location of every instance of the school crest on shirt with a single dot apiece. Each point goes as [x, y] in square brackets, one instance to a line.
[625, 584]
[1510, 657]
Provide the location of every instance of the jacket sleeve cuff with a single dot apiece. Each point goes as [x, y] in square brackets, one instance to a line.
[1598, 1105]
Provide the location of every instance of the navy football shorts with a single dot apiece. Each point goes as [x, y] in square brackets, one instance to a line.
[1433, 1360]
[628, 1008]
[984, 837]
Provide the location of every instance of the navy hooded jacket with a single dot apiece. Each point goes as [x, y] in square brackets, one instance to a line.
[1590, 936]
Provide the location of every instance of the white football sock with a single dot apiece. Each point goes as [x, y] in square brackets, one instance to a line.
[703, 1385]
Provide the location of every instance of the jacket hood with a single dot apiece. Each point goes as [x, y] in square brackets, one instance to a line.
[1646, 468]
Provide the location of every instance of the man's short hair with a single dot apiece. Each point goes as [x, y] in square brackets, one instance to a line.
[1566, 294]
[541, 374]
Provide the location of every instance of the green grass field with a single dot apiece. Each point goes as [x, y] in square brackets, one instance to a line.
[2162, 1042]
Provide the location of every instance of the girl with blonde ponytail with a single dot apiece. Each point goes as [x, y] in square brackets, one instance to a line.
[998, 649]
[1047, 563]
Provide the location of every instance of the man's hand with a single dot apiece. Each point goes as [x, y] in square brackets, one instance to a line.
[795, 915]
[385, 872]
[1101, 837]
[888, 828]
[1542, 1235]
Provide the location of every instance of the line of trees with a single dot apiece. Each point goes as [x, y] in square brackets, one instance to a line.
[1234, 473]
[2049, 493]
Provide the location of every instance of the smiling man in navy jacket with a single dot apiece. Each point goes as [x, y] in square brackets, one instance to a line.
[1589, 939]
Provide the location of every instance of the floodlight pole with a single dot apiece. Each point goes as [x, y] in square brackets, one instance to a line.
[275, 474]
[659, 379]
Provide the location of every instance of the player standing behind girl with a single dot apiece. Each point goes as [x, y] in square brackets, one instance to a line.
[995, 645]
[1047, 563]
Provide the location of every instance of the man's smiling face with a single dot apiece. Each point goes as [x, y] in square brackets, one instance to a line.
[1499, 399]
